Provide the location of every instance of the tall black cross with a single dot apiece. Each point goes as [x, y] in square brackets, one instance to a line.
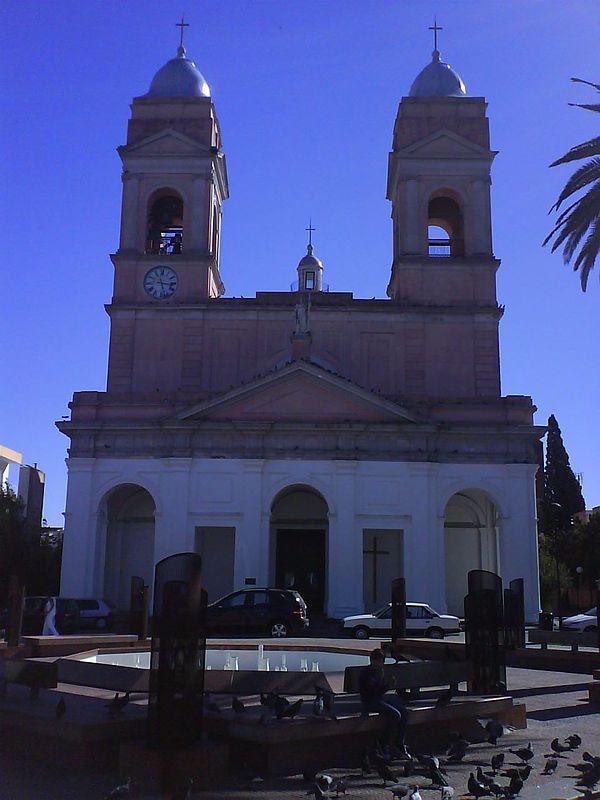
[310, 230]
[182, 25]
[375, 552]
[435, 29]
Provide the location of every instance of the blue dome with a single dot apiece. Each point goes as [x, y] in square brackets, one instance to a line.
[179, 78]
[438, 80]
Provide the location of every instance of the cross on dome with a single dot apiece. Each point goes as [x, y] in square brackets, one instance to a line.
[435, 28]
[181, 25]
[310, 230]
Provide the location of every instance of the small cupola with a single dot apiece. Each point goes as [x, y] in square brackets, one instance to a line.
[310, 268]
[437, 79]
[310, 272]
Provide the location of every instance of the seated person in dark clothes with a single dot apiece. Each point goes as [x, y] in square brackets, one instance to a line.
[372, 688]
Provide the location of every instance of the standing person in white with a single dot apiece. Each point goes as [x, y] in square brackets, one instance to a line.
[49, 628]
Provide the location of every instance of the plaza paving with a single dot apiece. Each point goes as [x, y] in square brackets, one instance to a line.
[556, 707]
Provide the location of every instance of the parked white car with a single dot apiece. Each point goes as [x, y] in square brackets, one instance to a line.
[588, 621]
[421, 620]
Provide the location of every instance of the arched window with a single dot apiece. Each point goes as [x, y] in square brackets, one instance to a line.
[445, 233]
[165, 224]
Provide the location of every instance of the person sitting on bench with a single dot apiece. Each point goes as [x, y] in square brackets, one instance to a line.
[372, 688]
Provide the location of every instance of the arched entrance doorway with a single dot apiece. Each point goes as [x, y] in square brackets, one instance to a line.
[299, 526]
[470, 542]
[129, 541]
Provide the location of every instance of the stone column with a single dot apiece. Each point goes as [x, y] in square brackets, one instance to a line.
[518, 536]
[344, 567]
[252, 536]
[173, 532]
[425, 568]
[411, 233]
[79, 543]
[129, 214]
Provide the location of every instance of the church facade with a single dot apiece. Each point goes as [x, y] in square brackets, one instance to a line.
[307, 438]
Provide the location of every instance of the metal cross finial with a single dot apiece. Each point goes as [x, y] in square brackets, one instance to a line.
[310, 229]
[435, 28]
[182, 25]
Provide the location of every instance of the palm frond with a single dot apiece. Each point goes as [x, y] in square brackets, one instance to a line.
[586, 174]
[573, 223]
[587, 149]
[588, 106]
[587, 83]
[587, 255]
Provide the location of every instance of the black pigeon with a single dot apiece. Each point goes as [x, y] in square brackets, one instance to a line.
[339, 786]
[496, 789]
[525, 772]
[279, 705]
[514, 787]
[238, 706]
[497, 762]
[475, 788]
[290, 710]
[558, 748]
[186, 792]
[324, 781]
[483, 779]
[399, 791]
[457, 750]
[124, 790]
[574, 741]
[438, 779]
[445, 698]
[494, 729]
[524, 753]
[589, 778]
[428, 761]
[384, 772]
[61, 708]
[118, 703]
[550, 767]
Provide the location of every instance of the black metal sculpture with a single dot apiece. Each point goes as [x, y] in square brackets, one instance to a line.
[138, 607]
[398, 609]
[178, 653]
[514, 614]
[484, 632]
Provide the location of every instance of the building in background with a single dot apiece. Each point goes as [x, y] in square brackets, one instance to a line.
[308, 438]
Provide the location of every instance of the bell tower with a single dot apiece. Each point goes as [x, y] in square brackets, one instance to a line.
[439, 187]
[174, 186]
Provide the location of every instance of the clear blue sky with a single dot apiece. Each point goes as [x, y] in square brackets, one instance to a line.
[306, 93]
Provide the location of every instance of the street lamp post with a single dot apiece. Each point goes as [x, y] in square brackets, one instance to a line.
[579, 571]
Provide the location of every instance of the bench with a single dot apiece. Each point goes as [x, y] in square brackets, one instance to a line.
[574, 639]
[308, 743]
[416, 675]
[28, 672]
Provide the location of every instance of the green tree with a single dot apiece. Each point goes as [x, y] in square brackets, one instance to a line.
[582, 217]
[13, 544]
[562, 497]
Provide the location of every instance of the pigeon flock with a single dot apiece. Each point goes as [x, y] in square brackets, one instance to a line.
[404, 775]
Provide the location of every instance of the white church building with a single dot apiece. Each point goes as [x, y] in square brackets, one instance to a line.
[307, 438]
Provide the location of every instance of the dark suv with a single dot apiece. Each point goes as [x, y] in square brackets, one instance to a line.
[279, 612]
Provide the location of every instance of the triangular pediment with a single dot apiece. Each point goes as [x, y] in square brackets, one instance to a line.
[445, 144]
[299, 392]
[166, 143]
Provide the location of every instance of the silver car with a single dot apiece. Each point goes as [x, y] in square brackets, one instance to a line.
[587, 621]
[421, 620]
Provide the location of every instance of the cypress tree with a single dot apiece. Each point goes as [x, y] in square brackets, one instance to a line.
[562, 492]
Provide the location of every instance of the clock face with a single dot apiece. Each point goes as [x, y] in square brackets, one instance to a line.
[161, 282]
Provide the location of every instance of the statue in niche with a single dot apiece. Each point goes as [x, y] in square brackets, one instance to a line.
[302, 316]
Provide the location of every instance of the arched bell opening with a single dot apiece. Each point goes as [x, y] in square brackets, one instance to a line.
[164, 232]
[445, 229]
[299, 531]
